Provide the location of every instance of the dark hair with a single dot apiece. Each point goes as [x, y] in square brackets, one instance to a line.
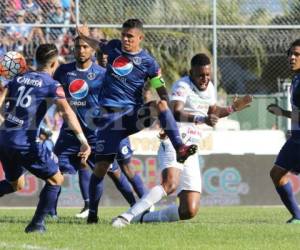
[133, 23]
[200, 60]
[294, 44]
[45, 52]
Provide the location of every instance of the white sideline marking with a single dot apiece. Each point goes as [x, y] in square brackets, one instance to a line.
[28, 247]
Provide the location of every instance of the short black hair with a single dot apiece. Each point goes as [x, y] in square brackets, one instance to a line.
[133, 23]
[293, 44]
[200, 60]
[45, 53]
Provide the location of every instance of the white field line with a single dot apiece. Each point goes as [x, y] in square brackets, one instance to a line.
[27, 247]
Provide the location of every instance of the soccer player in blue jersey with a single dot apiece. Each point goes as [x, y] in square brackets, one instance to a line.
[29, 96]
[288, 159]
[82, 82]
[134, 179]
[121, 101]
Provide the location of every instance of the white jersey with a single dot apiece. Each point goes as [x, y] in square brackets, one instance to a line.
[195, 102]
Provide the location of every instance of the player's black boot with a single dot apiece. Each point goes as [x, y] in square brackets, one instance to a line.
[92, 218]
[184, 151]
[35, 228]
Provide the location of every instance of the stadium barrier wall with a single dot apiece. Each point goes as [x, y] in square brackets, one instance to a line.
[237, 178]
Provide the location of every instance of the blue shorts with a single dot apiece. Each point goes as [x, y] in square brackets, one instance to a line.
[289, 156]
[113, 127]
[38, 161]
[68, 146]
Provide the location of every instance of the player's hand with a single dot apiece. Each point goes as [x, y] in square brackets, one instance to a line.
[275, 109]
[85, 151]
[239, 104]
[82, 30]
[211, 120]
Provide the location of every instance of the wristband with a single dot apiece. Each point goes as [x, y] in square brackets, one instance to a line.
[230, 109]
[81, 137]
[198, 119]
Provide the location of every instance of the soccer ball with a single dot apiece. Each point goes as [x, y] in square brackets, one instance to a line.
[12, 64]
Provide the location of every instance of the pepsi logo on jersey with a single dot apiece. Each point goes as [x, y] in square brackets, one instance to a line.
[122, 66]
[78, 89]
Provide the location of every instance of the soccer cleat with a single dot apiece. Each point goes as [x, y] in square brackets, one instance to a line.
[83, 213]
[184, 151]
[152, 208]
[119, 222]
[35, 228]
[92, 218]
[293, 221]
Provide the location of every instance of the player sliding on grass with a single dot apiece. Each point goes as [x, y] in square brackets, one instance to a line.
[194, 102]
[121, 100]
[288, 159]
[28, 97]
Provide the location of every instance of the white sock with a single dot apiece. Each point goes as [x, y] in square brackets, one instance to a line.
[153, 196]
[168, 214]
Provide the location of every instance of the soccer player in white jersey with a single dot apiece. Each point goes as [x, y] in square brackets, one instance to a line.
[194, 102]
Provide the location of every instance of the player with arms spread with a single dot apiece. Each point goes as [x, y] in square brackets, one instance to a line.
[121, 100]
[288, 159]
[194, 102]
[29, 96]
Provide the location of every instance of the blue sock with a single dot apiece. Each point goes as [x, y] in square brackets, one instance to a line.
[138, 185]
[168, 123]
[84, 182]
[5, 188]
[54, 208]
[124, 187]
[286, 194]
[95, 193]
[48, 197]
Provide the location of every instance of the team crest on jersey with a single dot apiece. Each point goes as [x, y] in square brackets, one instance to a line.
[137, 60]
[122, 66]
[78, 89]
[91, 76]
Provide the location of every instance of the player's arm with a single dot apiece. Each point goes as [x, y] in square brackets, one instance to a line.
[70, 117]
[183, 116]
[238, 104]
[83, 32]
[163, 93]
[278, 111]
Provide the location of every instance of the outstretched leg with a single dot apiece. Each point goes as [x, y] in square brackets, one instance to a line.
[283, 187]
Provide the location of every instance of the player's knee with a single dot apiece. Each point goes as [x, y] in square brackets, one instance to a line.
[162, 105]
[56, 179]
[278, 176]
[101, 168]
[188, 212]
[128, 171]
[19, 184]
[169, 186]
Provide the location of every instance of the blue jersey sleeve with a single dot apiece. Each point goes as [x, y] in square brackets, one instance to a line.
[154, 70]
[56, 91]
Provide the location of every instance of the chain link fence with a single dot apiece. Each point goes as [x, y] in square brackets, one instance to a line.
[251, 37]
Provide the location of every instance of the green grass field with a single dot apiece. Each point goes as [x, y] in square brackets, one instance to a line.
[213, 228]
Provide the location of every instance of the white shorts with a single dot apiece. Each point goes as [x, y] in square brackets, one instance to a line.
[190, 178]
